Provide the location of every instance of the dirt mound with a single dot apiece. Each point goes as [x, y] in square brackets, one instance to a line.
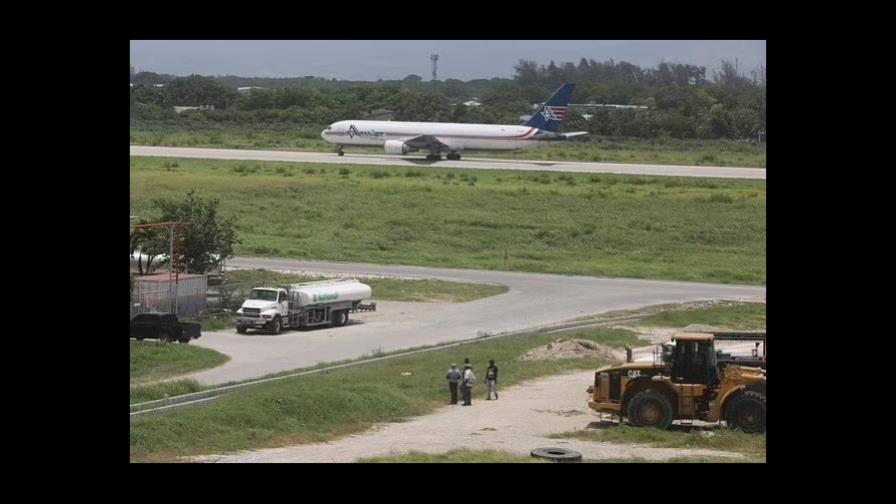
[564, 348]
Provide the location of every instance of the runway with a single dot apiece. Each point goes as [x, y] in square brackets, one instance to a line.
[466, 163]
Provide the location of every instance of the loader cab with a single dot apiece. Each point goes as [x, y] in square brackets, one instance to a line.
[692, 359]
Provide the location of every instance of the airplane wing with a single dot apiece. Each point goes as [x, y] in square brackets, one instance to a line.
[428, 142]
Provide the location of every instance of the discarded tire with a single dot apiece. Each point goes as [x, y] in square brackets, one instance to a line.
[557, 454]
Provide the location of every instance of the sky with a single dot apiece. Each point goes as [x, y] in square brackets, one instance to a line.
[395, 59]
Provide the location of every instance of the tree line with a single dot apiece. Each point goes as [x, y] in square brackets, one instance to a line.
[682, 100]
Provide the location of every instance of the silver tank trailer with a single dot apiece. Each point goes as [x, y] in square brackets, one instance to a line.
[328, 291]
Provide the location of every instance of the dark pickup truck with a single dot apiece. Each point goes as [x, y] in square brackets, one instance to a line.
[163, 326]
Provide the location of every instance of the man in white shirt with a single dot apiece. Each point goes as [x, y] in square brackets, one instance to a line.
[469, 381]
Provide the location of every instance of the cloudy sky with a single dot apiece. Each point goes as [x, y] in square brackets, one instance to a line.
[395, 59]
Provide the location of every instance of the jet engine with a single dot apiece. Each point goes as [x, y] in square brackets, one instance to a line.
[396, 147]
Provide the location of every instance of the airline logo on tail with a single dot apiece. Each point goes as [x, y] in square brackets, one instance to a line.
[554, 113]
[549, 115]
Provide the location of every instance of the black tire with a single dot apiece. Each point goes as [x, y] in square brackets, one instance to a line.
[340, 318]
[557, 454]
[276, 325]
[649, 408]
[241, 329]
[746, 412]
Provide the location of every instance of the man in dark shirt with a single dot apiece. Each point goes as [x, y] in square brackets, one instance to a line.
[491, 380]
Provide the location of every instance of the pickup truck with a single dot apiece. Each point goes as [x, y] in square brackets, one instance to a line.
[163, 326]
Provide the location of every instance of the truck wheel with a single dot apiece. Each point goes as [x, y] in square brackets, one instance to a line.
[650, 409]
[340, 318]
[276, 325]
[747, 412]
[241, 329]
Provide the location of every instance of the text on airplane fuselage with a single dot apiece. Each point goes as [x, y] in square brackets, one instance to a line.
[353, 132]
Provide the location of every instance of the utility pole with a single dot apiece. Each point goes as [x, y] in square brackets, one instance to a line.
[170, 264]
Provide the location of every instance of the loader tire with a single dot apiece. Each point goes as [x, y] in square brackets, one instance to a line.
[649, 408]
[747, 412]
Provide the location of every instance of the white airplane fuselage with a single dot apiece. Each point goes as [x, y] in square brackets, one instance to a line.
[457, 137]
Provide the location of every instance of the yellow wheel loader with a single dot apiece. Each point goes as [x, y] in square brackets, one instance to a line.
[687, 380]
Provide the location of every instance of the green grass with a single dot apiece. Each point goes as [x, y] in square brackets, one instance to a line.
[751, 445]
[606, 225]
[324, 406]
[456, 457]
[591, 148]
[151, 392]
[737, 316]
[155, 360]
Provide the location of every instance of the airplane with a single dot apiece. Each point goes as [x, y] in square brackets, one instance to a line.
[399, 137]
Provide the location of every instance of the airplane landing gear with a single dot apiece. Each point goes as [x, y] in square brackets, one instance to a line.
[339, 151]
[453, 155]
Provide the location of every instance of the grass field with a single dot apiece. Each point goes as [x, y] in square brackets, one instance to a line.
[142, 392]
[737, 316]
[607, 225]
[614, 150]
[751, 445]
[324, 406]
[154, 360]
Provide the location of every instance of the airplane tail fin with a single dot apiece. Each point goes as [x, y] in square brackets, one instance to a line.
[551, 112]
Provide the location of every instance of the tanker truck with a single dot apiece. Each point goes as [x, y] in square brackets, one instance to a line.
[302, 305]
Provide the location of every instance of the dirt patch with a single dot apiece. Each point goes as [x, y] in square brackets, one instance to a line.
[571, 348]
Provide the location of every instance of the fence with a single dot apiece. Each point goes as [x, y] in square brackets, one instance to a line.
[153, 294]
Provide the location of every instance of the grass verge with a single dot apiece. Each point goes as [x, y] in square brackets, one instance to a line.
[607, 225]
[155, 360]
[730, 315]
[154, 391]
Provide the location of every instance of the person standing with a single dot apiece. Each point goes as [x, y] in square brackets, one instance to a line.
[491, 380]
[454, 376]
[469, 381]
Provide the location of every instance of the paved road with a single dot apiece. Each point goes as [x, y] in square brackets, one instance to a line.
[471, 163]
[533, 299]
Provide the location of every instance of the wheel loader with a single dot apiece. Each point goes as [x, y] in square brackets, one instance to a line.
[687, 380]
